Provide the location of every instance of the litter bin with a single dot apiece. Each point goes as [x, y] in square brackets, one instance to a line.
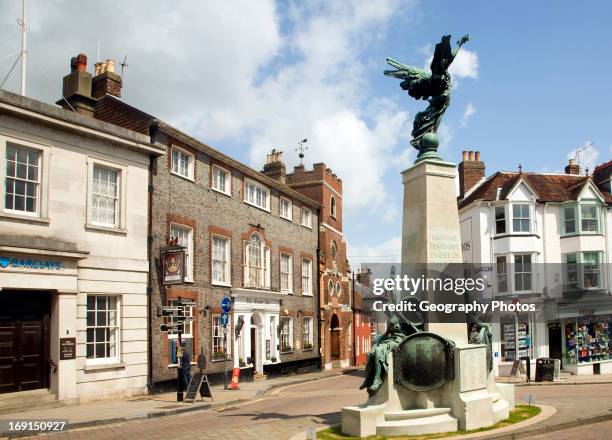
[545, 370]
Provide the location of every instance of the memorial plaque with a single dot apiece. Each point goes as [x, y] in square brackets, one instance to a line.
[67, 349]
[473, 366]
[420, 362]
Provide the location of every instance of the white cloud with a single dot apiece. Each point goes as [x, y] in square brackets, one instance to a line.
[587, 156]
[465, 64]
[467, 114]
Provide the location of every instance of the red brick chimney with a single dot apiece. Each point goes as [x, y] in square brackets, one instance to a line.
[471, 171]
[106, 81]
[572, 167]
[275, 167]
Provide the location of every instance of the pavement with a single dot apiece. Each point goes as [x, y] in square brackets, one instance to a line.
[564, 378]
[101, 412]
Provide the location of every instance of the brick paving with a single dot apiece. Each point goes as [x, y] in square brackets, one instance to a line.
[291, 410]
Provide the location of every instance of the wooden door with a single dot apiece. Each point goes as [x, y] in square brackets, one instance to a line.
[9, 377]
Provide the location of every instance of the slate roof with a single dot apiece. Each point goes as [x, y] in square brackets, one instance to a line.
[548, 187]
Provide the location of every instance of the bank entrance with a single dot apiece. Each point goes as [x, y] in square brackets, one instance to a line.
[24, 340]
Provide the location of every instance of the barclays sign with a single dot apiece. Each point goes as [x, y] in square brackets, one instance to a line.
[27, 263]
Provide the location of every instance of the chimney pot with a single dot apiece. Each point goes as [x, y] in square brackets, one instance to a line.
[465, 156]
[477, 156]
[81, 62]
[110, 65]
[97, 69]
[471, 156]
[572, 167]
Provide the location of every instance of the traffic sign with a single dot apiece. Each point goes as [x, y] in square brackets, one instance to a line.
[224, 318]
[169, 311]
[226, 304]
[171, 327]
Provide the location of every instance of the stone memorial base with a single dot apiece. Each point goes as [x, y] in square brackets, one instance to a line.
[471, 400]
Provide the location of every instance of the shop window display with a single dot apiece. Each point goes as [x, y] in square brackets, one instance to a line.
[588, 340]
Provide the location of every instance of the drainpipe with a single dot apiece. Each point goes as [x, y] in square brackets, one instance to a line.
[320, 321]
[150, 190]
[354, 321]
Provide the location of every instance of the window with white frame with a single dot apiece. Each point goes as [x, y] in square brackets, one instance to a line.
[286, 208]
[221, 180]
[256, 194]
[221, 258]
[589, 218]
[286, 334]
[500, 219]
[502, 274]
[306, 276]
[307, 333]
[103, 328]
[591, 270]
[522, 273]
[256, 263]
[520, 218]
[580, 219]
[22, 179]
[184, 236]
[105, 197]
[218, 338]
[332, 205]
[306, 217]
[186, 334]
[286, 272]
[182, 162]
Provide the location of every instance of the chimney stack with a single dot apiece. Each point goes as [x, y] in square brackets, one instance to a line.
[106, 81]
[275, 167]
[77, 87]
[364, 277]
[572, 167]
[471, 171]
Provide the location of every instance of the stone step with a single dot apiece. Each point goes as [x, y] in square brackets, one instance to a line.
[27, 400]
[416, 413]
[495, 397]
[424, 425]
[259, 376]
[335, 364]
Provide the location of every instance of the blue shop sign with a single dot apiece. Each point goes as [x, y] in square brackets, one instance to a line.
[29, 263]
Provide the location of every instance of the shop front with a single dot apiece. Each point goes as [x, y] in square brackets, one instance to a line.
[38, 321]
[587, 345]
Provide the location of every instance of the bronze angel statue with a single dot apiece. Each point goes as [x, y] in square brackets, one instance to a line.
[435, 87]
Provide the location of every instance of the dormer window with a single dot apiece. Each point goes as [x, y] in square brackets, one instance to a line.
[521, 218]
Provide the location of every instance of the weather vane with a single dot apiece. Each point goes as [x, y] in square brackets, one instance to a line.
[300, 149]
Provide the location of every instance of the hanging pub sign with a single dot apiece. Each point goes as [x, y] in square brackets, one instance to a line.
[173, 265]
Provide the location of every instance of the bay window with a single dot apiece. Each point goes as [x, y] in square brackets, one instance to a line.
[500, 219]
[522, 272]
[521, 218]
[502, 274]
[580, 219]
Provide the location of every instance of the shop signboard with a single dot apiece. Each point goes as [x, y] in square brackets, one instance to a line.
[173, 265]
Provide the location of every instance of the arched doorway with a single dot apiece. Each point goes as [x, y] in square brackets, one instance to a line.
[334, 327]
[256, 336]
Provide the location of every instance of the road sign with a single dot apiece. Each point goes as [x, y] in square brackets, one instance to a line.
[178, 327]
[226, 304]
[186, 302]
[169, 311]
[224, 319]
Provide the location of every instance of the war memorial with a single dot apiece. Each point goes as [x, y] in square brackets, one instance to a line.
[425, 374]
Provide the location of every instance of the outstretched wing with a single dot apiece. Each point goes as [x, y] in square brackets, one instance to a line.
[443, 56]
[415, 81]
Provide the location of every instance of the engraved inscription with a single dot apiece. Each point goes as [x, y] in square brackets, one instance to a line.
[444, 246]
[473, 367]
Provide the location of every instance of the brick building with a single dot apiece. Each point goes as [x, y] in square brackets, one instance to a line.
[246, 234]
[335, 314]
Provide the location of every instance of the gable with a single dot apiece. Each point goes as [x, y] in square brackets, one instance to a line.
[521, 193]
[589, 192]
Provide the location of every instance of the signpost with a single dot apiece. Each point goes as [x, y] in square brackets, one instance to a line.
[226, 306]
[176, 324]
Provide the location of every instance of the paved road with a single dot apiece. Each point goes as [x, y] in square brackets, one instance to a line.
[295, 408]
[594, 431]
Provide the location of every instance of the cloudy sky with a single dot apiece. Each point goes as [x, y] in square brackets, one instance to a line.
[244, 76]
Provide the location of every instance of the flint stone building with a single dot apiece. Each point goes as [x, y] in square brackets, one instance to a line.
[246, 234]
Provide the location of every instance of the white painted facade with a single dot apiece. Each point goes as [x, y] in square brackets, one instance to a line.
[547, 245]
[105, 263]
